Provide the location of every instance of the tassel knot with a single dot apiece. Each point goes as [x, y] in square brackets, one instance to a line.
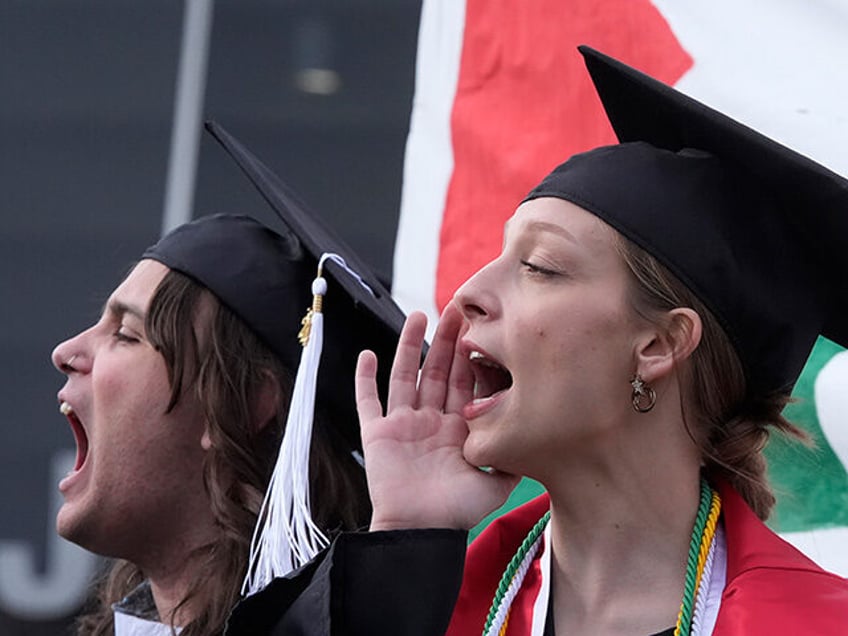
[319, 289]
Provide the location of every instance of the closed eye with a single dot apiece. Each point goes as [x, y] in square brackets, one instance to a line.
[120, 336]
[538, 269]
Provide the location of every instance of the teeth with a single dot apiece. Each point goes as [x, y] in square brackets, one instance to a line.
[479, 358]
[65, 409]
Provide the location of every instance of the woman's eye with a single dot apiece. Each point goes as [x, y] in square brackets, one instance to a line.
[538, 269]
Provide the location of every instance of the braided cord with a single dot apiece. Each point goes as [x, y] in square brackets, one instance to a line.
[699, 564]
[510, 578]
[505, 624]
[709, 534]
[704, 589]
[690, 586]
[501, 618]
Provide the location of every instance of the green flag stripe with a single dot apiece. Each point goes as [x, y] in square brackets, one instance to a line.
[811, 483]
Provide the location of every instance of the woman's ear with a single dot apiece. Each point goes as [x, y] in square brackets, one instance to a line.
[657, 356]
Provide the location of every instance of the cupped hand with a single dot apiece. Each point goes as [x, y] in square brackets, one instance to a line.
[417, 475]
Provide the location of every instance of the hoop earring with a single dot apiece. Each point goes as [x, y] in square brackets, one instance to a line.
[643, 397]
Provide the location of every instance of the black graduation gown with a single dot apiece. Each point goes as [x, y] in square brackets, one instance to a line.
[399, 583]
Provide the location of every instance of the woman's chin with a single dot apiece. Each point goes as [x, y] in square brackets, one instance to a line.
[479, 452]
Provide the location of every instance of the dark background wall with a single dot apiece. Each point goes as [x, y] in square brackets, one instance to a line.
[87, 91]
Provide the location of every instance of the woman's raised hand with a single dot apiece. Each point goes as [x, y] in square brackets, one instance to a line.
[417, 476]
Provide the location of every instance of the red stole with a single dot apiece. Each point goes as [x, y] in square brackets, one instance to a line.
[772, 588]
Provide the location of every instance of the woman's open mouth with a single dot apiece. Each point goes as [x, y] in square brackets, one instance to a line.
[80, 436]
[490, 377]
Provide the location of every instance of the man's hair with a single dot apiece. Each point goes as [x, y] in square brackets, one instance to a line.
[729, 424]
[215, 355]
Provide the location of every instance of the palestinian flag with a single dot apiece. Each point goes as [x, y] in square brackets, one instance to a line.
[502, 96]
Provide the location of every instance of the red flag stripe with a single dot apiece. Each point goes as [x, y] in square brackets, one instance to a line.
[524, 103]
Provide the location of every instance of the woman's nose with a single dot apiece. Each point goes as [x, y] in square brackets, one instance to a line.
[476, 298]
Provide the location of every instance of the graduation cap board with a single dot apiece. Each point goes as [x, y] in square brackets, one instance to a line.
[757, 231]
[268, 277]
[365, 315]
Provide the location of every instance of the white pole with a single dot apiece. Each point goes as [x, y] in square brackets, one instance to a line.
[188, 111]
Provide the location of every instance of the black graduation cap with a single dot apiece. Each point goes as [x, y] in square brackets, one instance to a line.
[264, 275]
[269, 278]
[757, 231]
[256, 272]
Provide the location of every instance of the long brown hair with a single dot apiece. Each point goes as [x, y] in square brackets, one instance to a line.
[226, 365]
[729, 424]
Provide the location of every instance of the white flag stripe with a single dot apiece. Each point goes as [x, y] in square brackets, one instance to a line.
[825, 546]
[779, 66]
[831, 396]
[829, 547]
[429, 158]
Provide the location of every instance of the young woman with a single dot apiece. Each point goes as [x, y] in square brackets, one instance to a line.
[178, 398]
[631, 348]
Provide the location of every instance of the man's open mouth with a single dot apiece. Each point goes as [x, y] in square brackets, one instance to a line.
[80, 435]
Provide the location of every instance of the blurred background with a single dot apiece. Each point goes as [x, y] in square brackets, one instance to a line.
[96, 115]
[100, 109]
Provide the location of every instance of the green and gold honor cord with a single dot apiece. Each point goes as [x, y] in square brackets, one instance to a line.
[703, 535]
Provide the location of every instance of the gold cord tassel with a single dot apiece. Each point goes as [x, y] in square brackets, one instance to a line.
[306, 321]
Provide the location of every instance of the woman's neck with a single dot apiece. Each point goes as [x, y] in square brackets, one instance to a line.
[620, 537]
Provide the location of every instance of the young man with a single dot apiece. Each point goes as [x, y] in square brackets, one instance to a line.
[178, 397]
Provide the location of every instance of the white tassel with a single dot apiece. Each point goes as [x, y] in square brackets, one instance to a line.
[286, 537]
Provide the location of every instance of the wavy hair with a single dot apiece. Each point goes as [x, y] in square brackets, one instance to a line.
[729, 424]
[215, 355]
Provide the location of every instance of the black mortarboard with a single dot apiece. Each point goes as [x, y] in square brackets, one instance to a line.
[264, 276]
[755, 230]
[257, 273]
[268, 278]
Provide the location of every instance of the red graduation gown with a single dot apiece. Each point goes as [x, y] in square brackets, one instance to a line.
[772, 588]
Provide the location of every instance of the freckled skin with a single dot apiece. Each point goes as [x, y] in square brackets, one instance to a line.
[582, 343]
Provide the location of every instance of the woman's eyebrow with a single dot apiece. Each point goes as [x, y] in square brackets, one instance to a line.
[544, 226]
